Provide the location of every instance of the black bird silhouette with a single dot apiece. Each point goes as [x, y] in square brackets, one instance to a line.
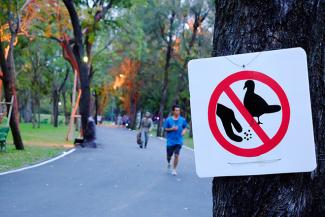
[255, 104]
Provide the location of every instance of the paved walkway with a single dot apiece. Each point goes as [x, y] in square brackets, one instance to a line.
[115, 180]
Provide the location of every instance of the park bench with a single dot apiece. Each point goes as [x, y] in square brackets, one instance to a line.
[4, 129]
[3, 137]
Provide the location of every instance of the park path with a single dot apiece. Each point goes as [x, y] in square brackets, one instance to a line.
[115, 180]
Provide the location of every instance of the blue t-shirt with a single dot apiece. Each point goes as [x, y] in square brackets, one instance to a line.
[175, 137]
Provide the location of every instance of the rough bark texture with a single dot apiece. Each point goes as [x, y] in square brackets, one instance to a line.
[8, 69]
[26, 109]
[96, 106]
[78, 50]
[66, 115]
[249, 25]
[55, 101]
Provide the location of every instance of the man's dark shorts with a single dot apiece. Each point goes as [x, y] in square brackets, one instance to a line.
[175, 149]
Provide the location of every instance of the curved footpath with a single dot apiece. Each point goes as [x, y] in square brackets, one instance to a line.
[115, 180]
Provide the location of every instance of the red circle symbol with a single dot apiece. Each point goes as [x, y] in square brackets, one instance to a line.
[268, 143]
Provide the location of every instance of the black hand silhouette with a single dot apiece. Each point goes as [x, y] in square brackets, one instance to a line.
[227, 117]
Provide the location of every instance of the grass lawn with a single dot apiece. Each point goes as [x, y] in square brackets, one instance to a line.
[188, 141]
[46, 135]
[40, 144]
[13, 158]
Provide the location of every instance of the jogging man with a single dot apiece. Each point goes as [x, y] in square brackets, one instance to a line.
[175, 126]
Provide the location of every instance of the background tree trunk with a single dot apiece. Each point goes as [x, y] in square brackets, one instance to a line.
[8, 69]
[26, 109]
[33, 111]
[55, 95]
[250, 25]
[133, 111]
[96, 106]
[164, 92]
[38, 113]
[66, 115]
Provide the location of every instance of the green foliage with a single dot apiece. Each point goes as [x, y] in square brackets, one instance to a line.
[144, 36]
[134, 29]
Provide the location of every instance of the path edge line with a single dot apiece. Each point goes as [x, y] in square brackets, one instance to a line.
[65, 153]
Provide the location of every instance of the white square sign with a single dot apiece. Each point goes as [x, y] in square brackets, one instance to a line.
[251, 114]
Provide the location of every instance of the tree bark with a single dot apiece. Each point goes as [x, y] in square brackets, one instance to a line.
[96, 107]
[38, 113]
[78, 50]
[133, 111]
[55, 99]
[7, 67]
[26, 109]
[247, 26]
[66, 115]
[33, 112]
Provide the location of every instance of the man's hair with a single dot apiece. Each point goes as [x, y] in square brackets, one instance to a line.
[175, 106]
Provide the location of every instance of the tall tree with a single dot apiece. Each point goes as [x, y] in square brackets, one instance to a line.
[10, 24]
[79, 54]
[168, 35]
[83, 46]
[248, 26]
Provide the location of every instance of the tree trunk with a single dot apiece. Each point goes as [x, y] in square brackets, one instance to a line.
[96, 106]
[8, 69]
[250, 25]
[78, 50]
[26, 109]
[66, 115]
[55, 111]
[33, 111]
[133, 112]
[164, 93]
[38, 113]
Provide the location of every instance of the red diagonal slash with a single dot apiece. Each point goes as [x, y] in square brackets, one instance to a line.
[249, 118]
[268, 143]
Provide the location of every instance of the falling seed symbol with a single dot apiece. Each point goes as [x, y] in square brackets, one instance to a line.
[248, 135]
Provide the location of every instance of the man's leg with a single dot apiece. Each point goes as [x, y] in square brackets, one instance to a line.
[169, 154]
[146, 138]
[170, 151]
[176, 158]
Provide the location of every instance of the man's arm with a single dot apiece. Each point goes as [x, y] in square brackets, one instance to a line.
[185, 128]
[171, 129]
[168, 128]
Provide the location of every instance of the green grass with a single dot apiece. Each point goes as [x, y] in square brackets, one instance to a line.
[13, 158]
[46, 135]
[40, 144]
[188, 141]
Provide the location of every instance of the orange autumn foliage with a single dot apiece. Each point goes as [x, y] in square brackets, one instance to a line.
[125, 80]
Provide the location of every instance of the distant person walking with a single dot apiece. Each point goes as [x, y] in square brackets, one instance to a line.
[119, 120]
[145, 127]
[175, 126]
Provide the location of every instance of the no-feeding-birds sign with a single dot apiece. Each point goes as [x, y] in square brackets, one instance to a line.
[251, 114]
